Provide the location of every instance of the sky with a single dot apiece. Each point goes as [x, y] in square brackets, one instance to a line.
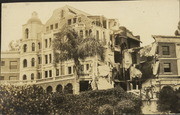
[144, 17]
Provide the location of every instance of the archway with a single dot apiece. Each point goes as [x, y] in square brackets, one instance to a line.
[68, 89]
[49, 89]
[59, 88]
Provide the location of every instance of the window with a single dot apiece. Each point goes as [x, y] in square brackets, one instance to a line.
[87, 66]
[39, 45]
[47, 28]
[81, 33]
[62, 70]
[2, 63]
[56, 25]
[39, 60]
[46, 59]
[90, 32]
[13, 64]
[165, 50]
[69, 70]
[1, 77]
[50, 42]
[39, 75]
[69, 21]
[167, 67]
[50, 58]
[25, 47]
[74, 20]
[32, 76]
[57, 72]
[97, 35]
[46, 74]
[82, 68]
[104, 23]
[51, 27]
[50, 73]
[33, 46]
[46, 43]
[27, 33]
[32, 62]
[86, 33]
[62, 13]
[24, 77]
[24, 63]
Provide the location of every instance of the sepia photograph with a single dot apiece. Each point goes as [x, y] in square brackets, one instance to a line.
[90, 57]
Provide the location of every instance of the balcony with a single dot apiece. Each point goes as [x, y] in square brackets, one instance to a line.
[77, 25]
[44, 80]
[85, 76]
[50, 79]
[64, 76]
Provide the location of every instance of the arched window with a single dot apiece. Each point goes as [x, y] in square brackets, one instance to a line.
[81, 33]
[39, 45]
[24, 63]
[86, 33]
[39, 75]
[32, 62]
[25, 47]
[24, 77]
[32, 76]
[27, 33]
[90, 32]
[97, 35]
[33, 46]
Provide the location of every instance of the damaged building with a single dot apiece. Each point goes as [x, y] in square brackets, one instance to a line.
[35, 52]
[157, 66]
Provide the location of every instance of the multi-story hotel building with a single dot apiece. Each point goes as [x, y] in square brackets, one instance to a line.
[35, 55]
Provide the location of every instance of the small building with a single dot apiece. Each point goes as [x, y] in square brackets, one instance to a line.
[10, 66]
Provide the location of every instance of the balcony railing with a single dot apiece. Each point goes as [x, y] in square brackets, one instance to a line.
[45, 79]
[63, 76]
[36, 80]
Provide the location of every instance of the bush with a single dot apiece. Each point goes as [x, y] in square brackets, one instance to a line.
[125, 106]
[169, 100]
[24, 99]
[34, 100]
[106, 110]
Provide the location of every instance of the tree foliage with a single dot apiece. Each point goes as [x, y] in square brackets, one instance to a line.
[68, 45]
[169, 100]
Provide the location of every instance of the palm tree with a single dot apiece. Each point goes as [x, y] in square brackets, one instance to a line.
[68, 45]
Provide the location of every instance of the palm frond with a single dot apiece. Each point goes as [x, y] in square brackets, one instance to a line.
[90, 47]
